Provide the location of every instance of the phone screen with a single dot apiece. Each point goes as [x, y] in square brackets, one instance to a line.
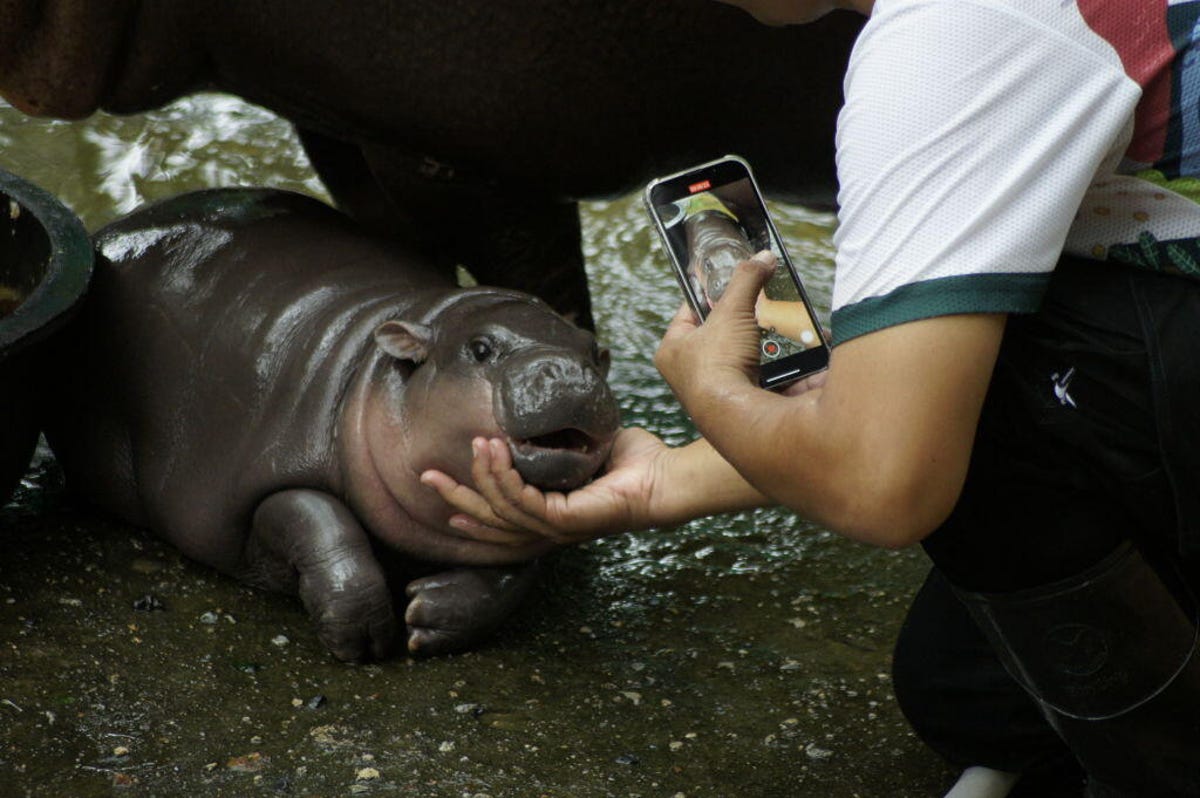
[711, 218]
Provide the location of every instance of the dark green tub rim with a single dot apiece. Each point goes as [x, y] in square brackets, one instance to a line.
[67, 274]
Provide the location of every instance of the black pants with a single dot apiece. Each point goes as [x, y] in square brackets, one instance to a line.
[1090, 435]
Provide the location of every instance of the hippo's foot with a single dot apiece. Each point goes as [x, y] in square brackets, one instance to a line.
[454, 610]
[308, 542]
[355, 620]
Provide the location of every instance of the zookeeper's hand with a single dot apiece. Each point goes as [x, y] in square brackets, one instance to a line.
[503, 508]
[702, 360]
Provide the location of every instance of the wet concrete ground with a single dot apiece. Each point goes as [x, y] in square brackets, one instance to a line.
[127, 668]
[743, 656]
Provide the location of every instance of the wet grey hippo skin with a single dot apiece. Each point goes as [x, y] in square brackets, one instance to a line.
[262, 384]
[716, 244]
[474, 125]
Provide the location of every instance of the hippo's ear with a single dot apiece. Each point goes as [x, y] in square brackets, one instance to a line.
[605, 359]
[404, 340]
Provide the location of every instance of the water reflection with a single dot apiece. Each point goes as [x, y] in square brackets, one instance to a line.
[106, 166]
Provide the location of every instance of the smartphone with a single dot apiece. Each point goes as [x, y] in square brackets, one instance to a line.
[711, 217]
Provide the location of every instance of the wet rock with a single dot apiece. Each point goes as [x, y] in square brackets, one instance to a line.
[627, 759]
[331, 736]
[149, 603]
[247, 763]
[316, 702]
[366, 774]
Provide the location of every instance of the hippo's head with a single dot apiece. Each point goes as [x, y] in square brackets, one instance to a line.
[491, 362]
[716, 245]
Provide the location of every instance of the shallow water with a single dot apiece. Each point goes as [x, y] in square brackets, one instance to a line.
[745, 655]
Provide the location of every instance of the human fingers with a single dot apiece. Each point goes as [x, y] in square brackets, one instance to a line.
[805, 385]
[747, 282]
[471, 528]
[684, 319]
[516, 501]
[518, 505]
[475, 517]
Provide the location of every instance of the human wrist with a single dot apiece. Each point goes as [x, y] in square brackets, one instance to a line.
[721, 405]
[695, 481]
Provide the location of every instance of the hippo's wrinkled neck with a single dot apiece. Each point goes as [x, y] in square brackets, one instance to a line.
[361, 479]
[381, 480]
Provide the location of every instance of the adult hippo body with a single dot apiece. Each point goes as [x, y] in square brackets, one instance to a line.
[262, 384]
[475, 126]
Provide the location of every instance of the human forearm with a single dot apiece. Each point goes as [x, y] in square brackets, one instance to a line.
[696, 481]
[880, 451]
[775, 445]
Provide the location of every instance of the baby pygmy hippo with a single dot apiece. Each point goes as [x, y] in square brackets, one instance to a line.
[262, 385]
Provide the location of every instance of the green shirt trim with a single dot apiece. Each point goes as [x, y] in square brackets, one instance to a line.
[944, 296]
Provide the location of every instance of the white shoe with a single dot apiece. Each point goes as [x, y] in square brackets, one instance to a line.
[980, 782]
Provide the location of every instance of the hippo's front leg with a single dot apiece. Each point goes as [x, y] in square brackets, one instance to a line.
[308, 542]
[453, 610]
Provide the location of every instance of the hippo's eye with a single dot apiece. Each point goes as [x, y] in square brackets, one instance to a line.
[481, 349]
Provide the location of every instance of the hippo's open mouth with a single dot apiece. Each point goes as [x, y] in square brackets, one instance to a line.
[561, 460]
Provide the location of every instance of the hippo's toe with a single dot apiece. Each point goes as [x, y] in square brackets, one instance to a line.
[454, 610]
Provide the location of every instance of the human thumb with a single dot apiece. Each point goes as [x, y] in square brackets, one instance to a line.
[748, 280]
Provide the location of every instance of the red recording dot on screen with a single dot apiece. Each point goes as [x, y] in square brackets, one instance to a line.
[703, 185]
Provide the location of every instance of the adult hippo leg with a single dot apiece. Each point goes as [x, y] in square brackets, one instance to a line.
[308, 542]
[505, 237]
[533, 244]
[453, 610]
[344, 172]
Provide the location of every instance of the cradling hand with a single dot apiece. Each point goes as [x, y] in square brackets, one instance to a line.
[502, 507]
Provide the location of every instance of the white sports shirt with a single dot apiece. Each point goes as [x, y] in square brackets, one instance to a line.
[982, 139]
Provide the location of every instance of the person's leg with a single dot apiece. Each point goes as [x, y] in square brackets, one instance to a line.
[955, 692]
[1070, 465]
[962, 703]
